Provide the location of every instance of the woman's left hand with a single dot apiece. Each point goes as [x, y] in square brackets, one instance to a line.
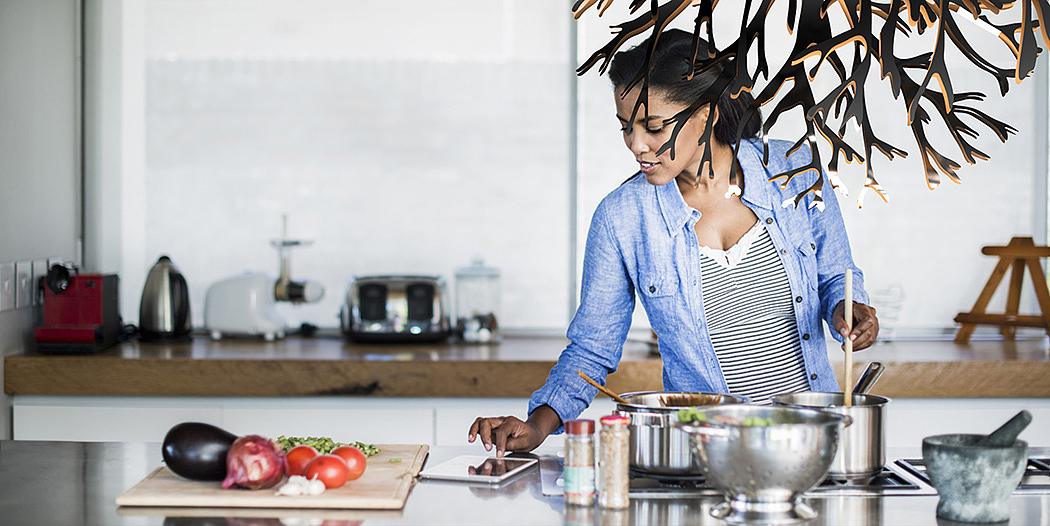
[865, 324]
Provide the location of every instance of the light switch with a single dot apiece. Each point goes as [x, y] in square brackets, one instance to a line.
[39, 272]
[23, 290]
[7, 286]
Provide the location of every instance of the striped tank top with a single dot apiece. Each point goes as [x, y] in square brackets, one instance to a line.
[751, 319]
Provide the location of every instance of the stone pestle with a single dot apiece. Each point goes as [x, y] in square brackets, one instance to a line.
[1007, 433]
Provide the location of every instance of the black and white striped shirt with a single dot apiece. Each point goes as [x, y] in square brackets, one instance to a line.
[751, 319]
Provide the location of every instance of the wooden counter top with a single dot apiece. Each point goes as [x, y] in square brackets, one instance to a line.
[514, 368]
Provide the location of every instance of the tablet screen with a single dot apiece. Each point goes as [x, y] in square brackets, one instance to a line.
[476, 468]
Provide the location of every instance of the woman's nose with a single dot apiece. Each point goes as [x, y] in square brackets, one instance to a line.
[637, 143]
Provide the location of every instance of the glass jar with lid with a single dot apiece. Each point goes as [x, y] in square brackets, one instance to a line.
[477, 303]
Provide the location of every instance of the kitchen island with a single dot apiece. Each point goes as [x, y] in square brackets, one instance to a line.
[76, 484]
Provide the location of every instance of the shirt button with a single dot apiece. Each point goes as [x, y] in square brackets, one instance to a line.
[813, 376]
[813, 246]
[769, 220]
[805, 336]
[652, 288]
[783, 251]
[798, 299]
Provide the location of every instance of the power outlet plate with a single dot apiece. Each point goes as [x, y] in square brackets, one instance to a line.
[23, 289]
[7, 286]
[39, 272]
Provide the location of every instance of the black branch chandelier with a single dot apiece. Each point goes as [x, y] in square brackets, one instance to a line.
[860, 44]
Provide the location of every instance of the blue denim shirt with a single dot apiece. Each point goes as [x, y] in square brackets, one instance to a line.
[641, 244]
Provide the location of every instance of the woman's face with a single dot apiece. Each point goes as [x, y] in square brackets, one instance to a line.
[647, 134]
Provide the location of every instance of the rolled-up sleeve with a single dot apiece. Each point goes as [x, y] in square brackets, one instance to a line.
[833, 258]
[598, 329]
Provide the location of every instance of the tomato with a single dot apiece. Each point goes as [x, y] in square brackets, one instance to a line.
[298, 458]
[355, 460]
[329, 469]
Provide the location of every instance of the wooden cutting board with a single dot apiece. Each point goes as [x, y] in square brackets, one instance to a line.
[384, 485]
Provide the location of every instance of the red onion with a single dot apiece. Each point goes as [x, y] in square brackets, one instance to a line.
[254, 462]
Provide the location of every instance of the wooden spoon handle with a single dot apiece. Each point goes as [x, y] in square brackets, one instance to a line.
[602, 388]
[848, 315]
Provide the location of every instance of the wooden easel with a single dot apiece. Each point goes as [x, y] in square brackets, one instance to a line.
[1019, 253]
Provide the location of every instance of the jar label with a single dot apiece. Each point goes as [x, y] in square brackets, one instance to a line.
[579, 480]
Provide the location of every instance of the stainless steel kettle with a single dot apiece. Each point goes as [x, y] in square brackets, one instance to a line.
[164, 312]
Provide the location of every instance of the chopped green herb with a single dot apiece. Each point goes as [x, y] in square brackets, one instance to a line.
[395, 460]
[690, 415]
[693, 415]
[324, 445]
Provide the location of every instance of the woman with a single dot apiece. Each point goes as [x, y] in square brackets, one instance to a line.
[735, 287]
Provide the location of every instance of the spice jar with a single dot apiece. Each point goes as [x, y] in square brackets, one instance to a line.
[612, 462]
[477, 303]
[579, 462]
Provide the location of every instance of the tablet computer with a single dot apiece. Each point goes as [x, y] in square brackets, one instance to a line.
[477, 468]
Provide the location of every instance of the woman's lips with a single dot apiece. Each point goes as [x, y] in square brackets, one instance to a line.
[648, 168]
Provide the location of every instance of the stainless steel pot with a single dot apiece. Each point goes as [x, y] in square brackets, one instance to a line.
[862, 446]
[656, 447]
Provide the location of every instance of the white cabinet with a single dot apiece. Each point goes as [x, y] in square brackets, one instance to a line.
[434, 421]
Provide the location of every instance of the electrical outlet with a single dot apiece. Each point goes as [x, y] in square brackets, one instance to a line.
[7, 286]
[39, 272]
[23, 289]
[54, 260]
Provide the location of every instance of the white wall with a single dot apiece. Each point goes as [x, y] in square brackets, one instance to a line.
[39, 149]
[401, 148]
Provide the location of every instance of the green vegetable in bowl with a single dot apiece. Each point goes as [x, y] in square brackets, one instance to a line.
[691, 415]
[324, 445]
[756, 421]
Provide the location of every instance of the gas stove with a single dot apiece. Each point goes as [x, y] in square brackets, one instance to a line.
[892, 480]
[1036, 478]
[903, 477]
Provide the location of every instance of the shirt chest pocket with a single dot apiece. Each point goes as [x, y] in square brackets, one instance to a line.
[807, 255]
[658, 292]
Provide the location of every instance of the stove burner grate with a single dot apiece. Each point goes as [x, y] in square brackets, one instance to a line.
[888, 482]
[1036, 475]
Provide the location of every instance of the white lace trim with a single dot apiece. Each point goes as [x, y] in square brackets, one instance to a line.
[729, 258]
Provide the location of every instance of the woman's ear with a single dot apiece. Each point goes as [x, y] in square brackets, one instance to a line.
[705, 113]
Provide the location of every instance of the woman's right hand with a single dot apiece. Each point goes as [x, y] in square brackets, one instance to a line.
[508, 433]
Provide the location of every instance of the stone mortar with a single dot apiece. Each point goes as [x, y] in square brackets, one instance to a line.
[974, 482]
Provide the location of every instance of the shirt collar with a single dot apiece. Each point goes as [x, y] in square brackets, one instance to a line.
[756, 181]
[676, 212]
[673, 207]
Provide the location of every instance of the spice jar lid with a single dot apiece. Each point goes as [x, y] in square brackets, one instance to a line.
[615, 420]
[579, 427]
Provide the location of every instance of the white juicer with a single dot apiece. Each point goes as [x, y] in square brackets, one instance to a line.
[245, 305]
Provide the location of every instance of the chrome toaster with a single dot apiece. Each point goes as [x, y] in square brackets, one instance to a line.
[396, 309]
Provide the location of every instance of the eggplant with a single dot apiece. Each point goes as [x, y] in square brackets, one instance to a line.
[197, 451]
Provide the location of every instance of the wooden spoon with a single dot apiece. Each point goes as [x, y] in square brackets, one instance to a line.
[849, 343]
[602, 388]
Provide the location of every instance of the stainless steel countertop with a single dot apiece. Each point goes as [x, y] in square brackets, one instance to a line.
[73, 483]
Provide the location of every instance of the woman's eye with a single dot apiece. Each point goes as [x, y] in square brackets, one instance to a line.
[655, 130]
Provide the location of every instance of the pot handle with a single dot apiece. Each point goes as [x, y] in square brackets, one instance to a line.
[846, 421]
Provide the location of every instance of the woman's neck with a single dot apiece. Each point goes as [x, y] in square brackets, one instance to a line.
[697, 179]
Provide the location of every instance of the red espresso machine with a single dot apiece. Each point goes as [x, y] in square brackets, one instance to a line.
[81, 312]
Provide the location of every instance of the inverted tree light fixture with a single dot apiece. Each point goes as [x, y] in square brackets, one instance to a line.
[817, 41]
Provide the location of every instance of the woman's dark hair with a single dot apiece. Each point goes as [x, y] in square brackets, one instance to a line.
[667, 75]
